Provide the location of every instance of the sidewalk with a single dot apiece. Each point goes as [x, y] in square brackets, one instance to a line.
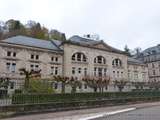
[77, 114]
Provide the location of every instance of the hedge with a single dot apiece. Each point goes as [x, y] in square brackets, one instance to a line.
[52, 98]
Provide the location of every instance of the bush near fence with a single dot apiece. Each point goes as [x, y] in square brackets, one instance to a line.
[51, 98]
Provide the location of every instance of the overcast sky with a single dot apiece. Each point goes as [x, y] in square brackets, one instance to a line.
[118, 22]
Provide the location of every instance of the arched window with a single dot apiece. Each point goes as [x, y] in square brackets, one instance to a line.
[100, 60]
[117, 62]
[79, 57]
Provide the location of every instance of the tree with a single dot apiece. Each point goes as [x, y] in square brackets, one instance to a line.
[62, 80]
[137, 51]
[4, 83]
[97, 82]
[138, 85]
[15, 27]
[39, 32]
[127, 50]
[155, 85]
[55, 34]
[74, 83]
[28, 75]
[91, 82]
[120, 84]
[40, 86]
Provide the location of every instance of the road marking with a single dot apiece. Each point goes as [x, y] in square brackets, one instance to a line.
[107, 114]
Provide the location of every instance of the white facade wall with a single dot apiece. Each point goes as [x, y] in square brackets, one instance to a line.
[91, 53]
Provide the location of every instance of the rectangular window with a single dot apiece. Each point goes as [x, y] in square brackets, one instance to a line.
[136, 75]
[154, 72]
[105, 71]
[52, 70]
[117, 73]
[143, 76]
[14, 54]
[122, 74]
[8, 53]
[56, 59]
[79, 70]
[85, 86]
[31, 67]
[8, 66]
[32, 56]
[12, 85]
[85, 71]
[100, 72]
[37, 57]
[13, 68]
[114, 74]
[52, 58]
[36, 67]
[55, 85]
[129, 75]
[73, 70]
[56, 70]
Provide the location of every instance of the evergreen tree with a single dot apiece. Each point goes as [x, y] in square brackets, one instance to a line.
[127, 50]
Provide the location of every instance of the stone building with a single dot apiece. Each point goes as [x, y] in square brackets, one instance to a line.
[151, 57]
[137, 71]
[77, 57]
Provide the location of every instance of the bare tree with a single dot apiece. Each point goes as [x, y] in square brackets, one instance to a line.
[74, 83]
[62, 80]
[28, 75]
[155, 85]
[4, 82]
[120, 84]
[139, 85]
[97, 82]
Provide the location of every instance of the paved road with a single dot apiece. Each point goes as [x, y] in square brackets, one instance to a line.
[83, 113]
[151, 113]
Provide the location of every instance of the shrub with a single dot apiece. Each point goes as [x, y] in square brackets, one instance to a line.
[51, 98]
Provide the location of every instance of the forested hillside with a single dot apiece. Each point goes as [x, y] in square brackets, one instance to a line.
[31, 28]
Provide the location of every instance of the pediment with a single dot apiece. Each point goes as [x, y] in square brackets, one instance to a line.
[102, 46]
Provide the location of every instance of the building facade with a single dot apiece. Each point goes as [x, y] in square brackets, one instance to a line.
[77, 57]
[151, 57]
[137, 71]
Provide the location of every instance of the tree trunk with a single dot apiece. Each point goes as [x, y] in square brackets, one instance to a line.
[95, 89]
[63, 88]
[73, 90]
[26, 82]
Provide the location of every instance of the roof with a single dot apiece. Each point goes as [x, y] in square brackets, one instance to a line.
[134, 61]
[32, 42]
[91, 43]
[82, 40]
[152, 50]
[57, 42]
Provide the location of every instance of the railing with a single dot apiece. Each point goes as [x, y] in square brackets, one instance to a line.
[30, 103]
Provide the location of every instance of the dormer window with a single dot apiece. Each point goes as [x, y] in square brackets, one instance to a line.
[153, 52]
